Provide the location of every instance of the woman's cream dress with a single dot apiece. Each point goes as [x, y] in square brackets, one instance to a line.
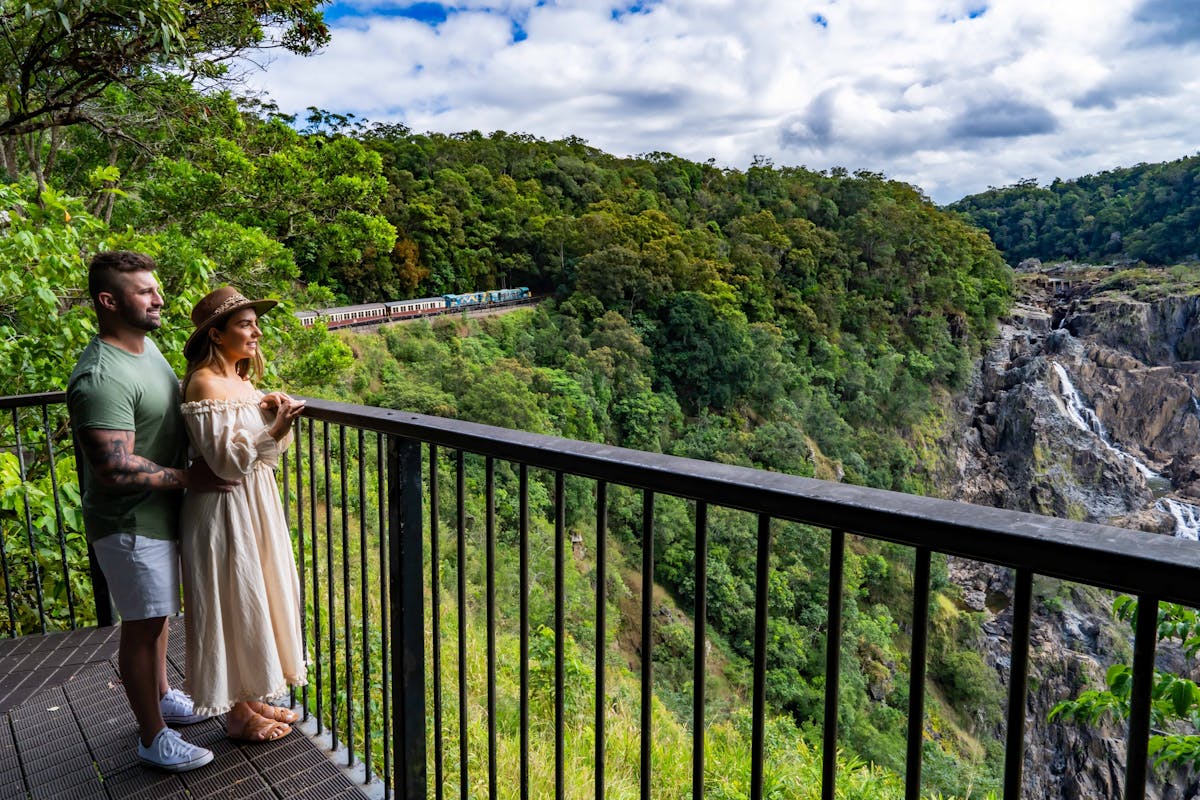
[240, 589]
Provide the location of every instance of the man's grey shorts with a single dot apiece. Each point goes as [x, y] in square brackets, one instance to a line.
[142, 574]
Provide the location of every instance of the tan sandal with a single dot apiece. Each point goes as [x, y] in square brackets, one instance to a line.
[274, 713]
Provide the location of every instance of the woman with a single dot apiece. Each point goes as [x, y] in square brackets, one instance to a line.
[241, 592]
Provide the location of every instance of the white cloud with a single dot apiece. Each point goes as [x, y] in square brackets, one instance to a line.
[951, 95]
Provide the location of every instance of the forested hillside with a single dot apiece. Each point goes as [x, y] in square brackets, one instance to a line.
[829, 304]
[778, 317]
[1150, 212]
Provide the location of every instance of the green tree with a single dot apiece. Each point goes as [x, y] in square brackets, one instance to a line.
[57, 59]
[705, 357]
[43, 286]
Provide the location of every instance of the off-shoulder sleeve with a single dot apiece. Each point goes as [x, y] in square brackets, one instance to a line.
[219, 431]
[283, 444]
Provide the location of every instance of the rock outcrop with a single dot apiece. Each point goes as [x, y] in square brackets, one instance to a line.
[1085, 407]
[1164, 331]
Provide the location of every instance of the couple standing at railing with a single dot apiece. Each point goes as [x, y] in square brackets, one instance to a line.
[241, 591]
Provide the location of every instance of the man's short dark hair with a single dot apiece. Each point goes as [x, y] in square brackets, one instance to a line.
[104, 268]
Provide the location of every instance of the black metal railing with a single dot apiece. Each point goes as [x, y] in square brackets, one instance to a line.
[364, 496]
[44, 562]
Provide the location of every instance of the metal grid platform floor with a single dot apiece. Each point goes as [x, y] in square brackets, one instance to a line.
[67, 732]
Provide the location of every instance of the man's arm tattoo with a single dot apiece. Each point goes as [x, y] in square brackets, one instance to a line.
[115, 464]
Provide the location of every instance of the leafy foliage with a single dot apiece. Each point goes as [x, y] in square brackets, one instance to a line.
[41, 283]
[58, 57]
[1148, 212]
[1174, 700]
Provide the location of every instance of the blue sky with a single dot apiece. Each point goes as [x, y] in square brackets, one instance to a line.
[950, 95]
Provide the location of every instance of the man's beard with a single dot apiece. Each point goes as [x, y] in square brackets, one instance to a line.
[143, 322]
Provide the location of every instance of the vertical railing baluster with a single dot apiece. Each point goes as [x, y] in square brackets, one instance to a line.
[833, 663]
[490, 605]
[601, 629]
[560, 633]
[285, 464]
[58, 514]
[1018, 677]
[384, 611]
[316, 575]
[364, 601]
[1145, 639]
[916, 675]
[8, 590]
[435, 587]
[699, 661]
[406, 575]
[347, 630]
[331, 608]
[647, 710]
[286, 501]
[461, 522]
[298, 444]
[34, 565]
[524, 625]
[8, 587]
[758, 713]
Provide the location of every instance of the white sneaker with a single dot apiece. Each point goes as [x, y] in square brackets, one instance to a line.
[170, 752]
[177, 709]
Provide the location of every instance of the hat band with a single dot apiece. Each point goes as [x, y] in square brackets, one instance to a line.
[230, 302]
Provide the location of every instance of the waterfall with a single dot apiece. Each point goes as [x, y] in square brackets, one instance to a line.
[1187, 517]
[1077, 411]
[1085, 419]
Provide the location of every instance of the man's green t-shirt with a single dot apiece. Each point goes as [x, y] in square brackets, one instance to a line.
[113, 389]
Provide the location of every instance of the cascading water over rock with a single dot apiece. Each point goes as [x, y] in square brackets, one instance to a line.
[1085, 407]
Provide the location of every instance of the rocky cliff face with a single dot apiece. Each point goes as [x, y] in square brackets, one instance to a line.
[1085, 408]
[1162, 331]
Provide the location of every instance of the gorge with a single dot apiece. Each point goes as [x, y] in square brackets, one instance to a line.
[1084, 407]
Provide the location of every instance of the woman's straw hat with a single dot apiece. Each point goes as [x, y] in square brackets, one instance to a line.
[215, 306]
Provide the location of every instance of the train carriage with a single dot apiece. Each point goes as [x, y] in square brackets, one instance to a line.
[403, 309]
[355, 315]
[395, 310]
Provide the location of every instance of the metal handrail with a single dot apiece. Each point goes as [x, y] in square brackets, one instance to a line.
[1114, 558]
[37, 399]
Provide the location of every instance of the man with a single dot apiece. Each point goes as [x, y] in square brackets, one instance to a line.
[124, 404]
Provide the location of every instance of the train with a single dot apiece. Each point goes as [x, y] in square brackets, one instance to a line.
[397, 310]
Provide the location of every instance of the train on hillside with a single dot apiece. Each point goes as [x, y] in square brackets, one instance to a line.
[397, 310]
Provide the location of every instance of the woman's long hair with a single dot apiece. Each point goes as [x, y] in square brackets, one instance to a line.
[251, 369]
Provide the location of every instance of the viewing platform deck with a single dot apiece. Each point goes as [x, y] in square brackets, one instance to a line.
[68, 733]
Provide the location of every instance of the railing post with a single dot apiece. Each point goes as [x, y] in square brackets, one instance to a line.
[758, 701]
[833, 664]
[407, 617]
[1137, 745]
[100, 597]
[916, 675]
[105, 615]
[1018, 681]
